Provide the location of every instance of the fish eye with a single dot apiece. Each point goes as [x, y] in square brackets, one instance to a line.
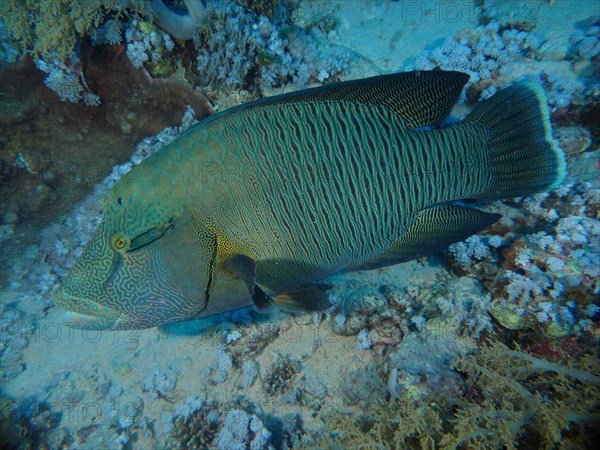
[120, 242]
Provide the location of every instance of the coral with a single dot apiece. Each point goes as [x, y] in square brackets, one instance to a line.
[543, 271]
[585, 48]
[280, 376]
[466, 304]
[194, 425]
[13, 340]
[562, 87]
[396, 425]
[249, 373]
[241, 431]
[313, 393]
[131, 415]
[542, 280]
[109, 33]
[67, 80]
[255, 336]
[8, 53]
[381, 319]
[54, 26]
[52, 30]
[418, 321]
[224, 364]
[481, 52]
[241, 46]
[472, 248]
[508, 14]
[588, 45]
[357, 308]
[287, 432]
[36, 418]
[364, 343]
[309, 391]
[505, 51]
[573, 140]
[524, 398]
[232, 336]
[227, 56]
[14, 435]
[146, 45]
[160, 383]
[180, 26]
[495, 397]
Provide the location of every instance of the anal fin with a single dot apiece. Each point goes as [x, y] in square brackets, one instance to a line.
[434, 229]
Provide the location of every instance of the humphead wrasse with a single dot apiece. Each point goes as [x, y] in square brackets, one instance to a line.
[254, 204]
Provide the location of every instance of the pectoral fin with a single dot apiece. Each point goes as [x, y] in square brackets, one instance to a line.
[244, 270]
[434, 229]
[311, 297]
[243, 267]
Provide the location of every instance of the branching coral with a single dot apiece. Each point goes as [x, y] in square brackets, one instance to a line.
[41, 27]
[158, 384]
[66, 79]
[551, 278]
[522, 394]
[241, 49]
[508, 399]
[195, 424]
[241, 430]
[279, 378]
[146, 44]
[51, 31]
[396, 426]
[481, 52]
[548, 276]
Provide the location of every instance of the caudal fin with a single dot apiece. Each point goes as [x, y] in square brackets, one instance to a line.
[525, 159]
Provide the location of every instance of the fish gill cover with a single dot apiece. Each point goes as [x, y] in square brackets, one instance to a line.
[490, 343]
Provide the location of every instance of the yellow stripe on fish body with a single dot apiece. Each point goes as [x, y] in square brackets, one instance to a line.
[255, 203]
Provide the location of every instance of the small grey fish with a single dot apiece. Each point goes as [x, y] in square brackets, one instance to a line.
[254, 204]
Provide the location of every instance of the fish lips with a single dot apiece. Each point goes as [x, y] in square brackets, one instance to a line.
[84, 313]
[87, 314]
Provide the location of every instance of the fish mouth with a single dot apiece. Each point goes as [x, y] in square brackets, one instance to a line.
[87, 314]
[86, 322]
[84, 313]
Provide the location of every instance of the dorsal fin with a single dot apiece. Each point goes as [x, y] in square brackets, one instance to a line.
[421, 98]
